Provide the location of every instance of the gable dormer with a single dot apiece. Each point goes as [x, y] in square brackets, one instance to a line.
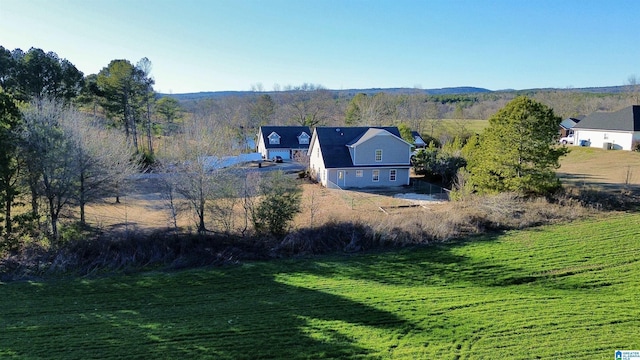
[274, 138]
[303, 138]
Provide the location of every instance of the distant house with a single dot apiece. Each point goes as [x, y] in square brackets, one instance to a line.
[609, 130]
[359, 157]
[567, 125]
[283, 141]
[418, 141]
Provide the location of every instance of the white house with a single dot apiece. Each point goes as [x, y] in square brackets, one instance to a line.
[609, 130]
[359, 157]
[283, 141]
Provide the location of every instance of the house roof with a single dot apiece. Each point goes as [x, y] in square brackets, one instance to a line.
[417, 138]
[288, 136]
[333, 142]
[367, 135]
[569, 123]
[627, 119]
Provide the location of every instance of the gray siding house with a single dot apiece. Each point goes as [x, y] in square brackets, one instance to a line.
[359, 157]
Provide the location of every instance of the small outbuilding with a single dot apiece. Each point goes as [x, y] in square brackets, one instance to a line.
[567, 125]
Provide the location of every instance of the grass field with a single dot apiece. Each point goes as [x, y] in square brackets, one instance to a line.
[558, 292]
[474, 126]
[586, 166]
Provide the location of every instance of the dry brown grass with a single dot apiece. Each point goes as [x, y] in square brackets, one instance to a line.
[586, 171]
[133, 233]
[603, 169]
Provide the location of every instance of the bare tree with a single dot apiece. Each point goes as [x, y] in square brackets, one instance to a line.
[235, 112]
[104, 159]
[51, 160]
[307, 108]
[633, 85]
[365, 110]
[432, 119]
[410, 109]
[197, 157]
[249, 192]
[226, 196]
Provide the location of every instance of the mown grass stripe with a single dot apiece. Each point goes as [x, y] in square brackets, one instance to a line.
[553, 292]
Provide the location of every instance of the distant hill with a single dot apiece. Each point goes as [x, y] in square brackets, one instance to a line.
[597, 90]
[397, 91]
[347, 92]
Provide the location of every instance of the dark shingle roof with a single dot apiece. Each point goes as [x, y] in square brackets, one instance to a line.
[288, 136]
[333, 143]
[627, 119]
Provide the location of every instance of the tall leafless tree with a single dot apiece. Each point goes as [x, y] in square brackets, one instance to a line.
[634, 89]
[104, 159]
[196, 158]
[51, 160]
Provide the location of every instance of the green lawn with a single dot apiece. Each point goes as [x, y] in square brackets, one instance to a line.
[559, 292]
[473, 126]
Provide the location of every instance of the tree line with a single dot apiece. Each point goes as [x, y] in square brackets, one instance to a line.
[62, 142]
[69, 139]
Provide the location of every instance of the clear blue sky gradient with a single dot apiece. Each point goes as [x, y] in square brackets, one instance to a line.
[215, 45]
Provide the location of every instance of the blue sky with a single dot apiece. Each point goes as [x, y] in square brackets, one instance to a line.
[215, 45]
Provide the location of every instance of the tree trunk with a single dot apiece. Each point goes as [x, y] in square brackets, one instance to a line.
[7, 216]
[117, 193]
[54, 220]
[149, 137]
[126, 120]
[82, 199]
[34, 198]
[134, 133]
[201, 226]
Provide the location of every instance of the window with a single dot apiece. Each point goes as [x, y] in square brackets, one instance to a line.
[392, 175]
[379, 155]
[303, 138]
[606, 136]
[359, 173]
[376, 175]
[274, 138]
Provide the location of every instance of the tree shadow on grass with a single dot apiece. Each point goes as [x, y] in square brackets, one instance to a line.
[596, 182]
[443, 265]
[223, 314]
